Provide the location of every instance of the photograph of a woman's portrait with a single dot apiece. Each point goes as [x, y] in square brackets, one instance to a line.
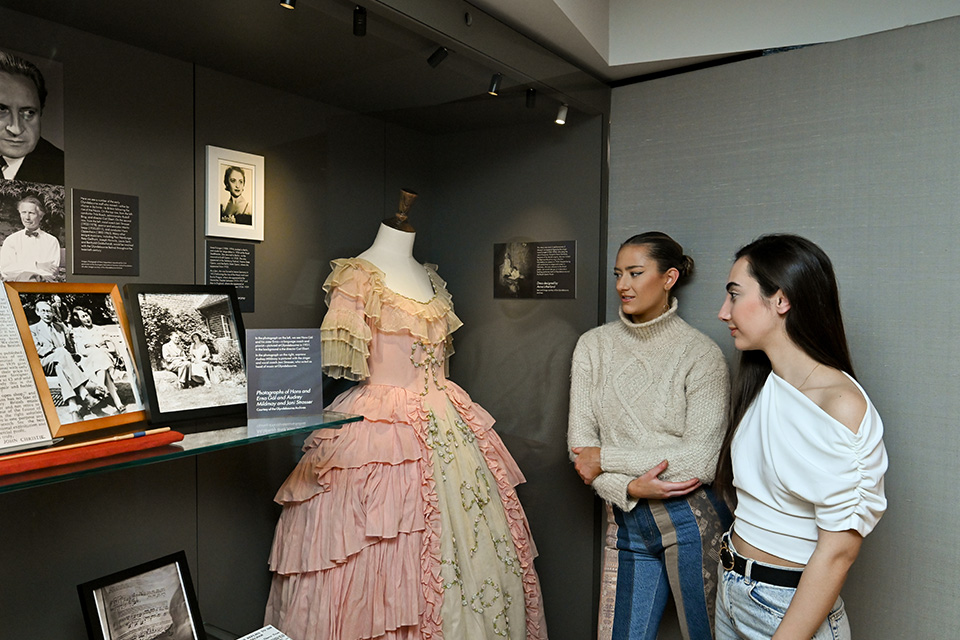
[234, 194]
[235, 206]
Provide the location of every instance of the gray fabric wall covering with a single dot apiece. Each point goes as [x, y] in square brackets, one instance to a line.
[854, 145]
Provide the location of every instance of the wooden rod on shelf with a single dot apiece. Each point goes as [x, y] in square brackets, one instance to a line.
[125, 436]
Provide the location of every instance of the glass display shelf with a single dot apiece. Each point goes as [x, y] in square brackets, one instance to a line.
[224, 435]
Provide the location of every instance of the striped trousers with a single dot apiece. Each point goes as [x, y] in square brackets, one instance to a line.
[662, 547]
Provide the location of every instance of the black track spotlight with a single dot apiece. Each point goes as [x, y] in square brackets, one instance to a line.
[288, 4]
[437, 57]
[359, 21]
[495, 83]
[531, 98]
[561, 114]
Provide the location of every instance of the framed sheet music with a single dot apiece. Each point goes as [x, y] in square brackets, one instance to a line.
[152, 600]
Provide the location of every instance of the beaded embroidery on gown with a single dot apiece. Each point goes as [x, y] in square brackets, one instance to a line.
[407, 524]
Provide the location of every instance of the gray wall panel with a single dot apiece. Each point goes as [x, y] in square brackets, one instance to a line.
[58, 536]
[236, 517]
[128, 129]
[539, 183]
[292, 134]
[852, 144]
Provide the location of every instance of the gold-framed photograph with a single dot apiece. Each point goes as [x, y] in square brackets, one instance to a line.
[77, 341]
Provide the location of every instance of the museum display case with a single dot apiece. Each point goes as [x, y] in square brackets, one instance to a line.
[342, 122]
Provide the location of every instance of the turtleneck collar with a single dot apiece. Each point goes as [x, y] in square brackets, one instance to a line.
[652, 328]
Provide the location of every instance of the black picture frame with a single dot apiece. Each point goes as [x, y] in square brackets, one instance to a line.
[182, 386]
[156, 598]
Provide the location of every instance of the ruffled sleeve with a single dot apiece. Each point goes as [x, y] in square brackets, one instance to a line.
[359, 300]
[345, 332]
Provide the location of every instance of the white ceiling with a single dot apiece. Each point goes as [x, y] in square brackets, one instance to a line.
[618, 39]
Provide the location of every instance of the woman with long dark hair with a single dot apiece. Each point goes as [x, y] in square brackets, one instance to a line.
[648, 400]
[804, 448]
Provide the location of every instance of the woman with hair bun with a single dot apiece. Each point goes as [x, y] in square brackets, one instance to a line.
[648, 402]
[804, 450]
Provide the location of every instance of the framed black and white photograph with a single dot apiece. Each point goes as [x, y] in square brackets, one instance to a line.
[190, 340]
[151, 601]
[32, 227]
[78, 342]
[234, 193]
[33, 86]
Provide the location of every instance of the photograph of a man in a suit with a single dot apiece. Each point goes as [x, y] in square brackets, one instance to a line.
[24, 155]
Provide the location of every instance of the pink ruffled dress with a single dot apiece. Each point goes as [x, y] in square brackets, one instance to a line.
[406, 524]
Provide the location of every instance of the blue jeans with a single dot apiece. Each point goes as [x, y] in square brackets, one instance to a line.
[751, 610]
[661, 552]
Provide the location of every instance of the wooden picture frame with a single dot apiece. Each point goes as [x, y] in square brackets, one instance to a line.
[234, 196]
[190, 341]
[151, 599]
[86, 375]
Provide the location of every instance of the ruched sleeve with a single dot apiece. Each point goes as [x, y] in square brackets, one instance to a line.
[798, 471]
[845, 479]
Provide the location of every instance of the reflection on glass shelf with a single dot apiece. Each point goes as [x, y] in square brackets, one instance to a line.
[192, 444]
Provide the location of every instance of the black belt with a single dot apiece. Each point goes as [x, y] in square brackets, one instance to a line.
[730, 561]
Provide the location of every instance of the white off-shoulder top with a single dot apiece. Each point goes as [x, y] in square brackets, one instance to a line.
[796, 470]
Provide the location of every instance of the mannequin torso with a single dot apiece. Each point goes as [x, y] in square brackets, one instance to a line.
[392, 253]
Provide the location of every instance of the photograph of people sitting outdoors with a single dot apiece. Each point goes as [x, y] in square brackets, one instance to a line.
[194, 351]
[84, 355]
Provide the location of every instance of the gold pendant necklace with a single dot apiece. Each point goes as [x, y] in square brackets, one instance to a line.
[808, 376]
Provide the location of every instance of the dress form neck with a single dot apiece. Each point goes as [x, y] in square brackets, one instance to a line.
[392, 253]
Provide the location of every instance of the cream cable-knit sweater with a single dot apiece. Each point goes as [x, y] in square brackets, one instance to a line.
[645, 393]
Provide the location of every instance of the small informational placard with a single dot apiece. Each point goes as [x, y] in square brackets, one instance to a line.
[232, 263]
[535, 270]
[283, 378]
[106, 234]
[269, 632]
[22, 422]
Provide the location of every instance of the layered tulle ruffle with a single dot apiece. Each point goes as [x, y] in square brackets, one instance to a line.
[345, 332]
